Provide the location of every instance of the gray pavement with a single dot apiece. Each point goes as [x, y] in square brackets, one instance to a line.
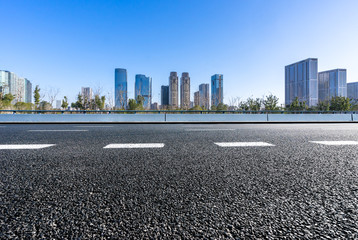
[298, 181]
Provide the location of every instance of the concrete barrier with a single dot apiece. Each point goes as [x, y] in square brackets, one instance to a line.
[216, 118]
[355, 117]
[310, 117]
[174, 118]
[93, 118]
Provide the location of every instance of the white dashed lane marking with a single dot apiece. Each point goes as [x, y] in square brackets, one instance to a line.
[244, 144]
[336, 143]
[136, 145]
[25, 146]
[58, 130]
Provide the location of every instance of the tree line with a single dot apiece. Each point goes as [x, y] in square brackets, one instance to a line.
[269, 103]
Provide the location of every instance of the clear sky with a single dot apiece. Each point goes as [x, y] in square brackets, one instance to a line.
[69, 44]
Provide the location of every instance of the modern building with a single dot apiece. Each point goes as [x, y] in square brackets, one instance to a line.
[21, 88]
[28, 91]
[185, 91]
[204, 96]
[154, 106]
[87, 93]
[120, 88]
[164, 95]
[143, 87]
[352, 90]
[58, 104]
[332, 83]
[196, 98]
[301, 81]
[217, 94]
[173, 90]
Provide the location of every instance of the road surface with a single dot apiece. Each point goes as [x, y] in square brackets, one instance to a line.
[179, 181]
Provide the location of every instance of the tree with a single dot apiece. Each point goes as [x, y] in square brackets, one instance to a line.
[37, 96]
[52, 94]
[132, 104]
[23, 106]
[64, 103]
[44, 105]
[140, 102]
[323, 105]
[270, 102]
[221, 107]
[254, 104]
[297, 105]
[79, 103]
[340, 104]
[5, 100]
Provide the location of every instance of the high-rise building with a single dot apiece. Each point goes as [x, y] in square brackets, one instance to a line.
[87, 93]
[196, 98]
[352, 90]
[301, 81]
[143, 87]
[28, 91]
[217, 94]
[173, 90]
[204, 97]
[120, 88]
[332, 83]
[164, 95]
[185, 91]
[21, 88]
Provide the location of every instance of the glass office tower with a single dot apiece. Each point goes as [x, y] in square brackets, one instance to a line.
[301, 81]
[173, 90]
[196, 98]
[28, 91]
[332, 83]
[120, 88]
[143, 87]
[185, 91]
[204, 98]
[217, 95]
[164, 95]
[352, 90]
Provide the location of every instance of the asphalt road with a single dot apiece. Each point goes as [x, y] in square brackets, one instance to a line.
[185, 182]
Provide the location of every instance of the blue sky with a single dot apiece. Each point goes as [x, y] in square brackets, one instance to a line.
[69, 44]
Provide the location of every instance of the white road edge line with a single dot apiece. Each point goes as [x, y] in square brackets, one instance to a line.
[135, 145]
[93, 126]
[58, 130]
[244, 144]
[336, 143]
[25, 146]
[198, 130]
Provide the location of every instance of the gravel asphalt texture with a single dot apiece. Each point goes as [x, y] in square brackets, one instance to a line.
[190, 189]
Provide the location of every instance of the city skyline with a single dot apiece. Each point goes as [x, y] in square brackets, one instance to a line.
[72, 41]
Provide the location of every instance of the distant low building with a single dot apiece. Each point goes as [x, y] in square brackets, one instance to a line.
[352, 90]
[58, 104]
[154, 106]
